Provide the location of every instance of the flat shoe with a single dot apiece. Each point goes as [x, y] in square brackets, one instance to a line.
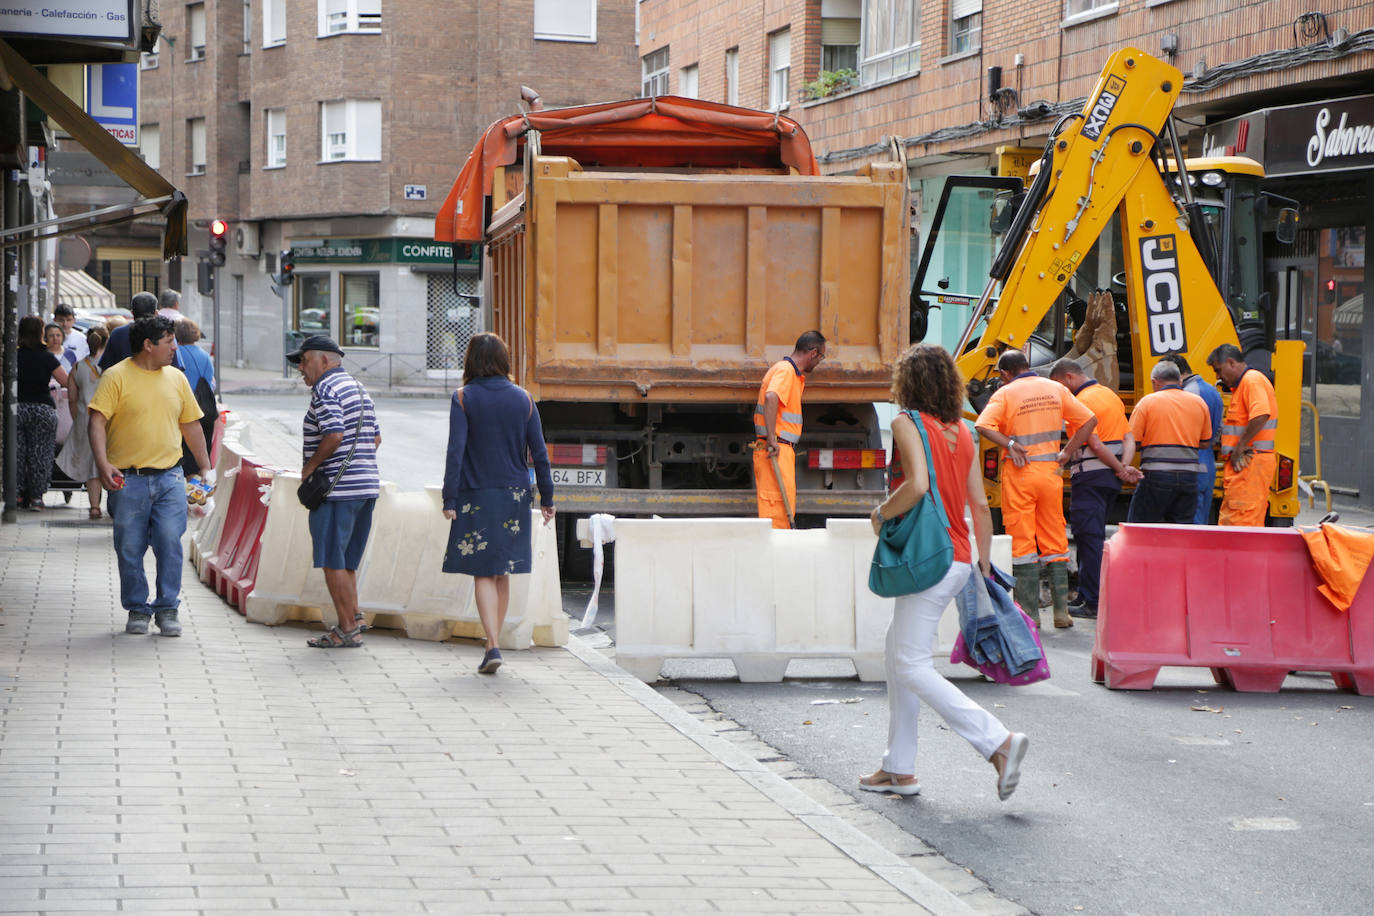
[1011, 768]
[490, 662]
[888, 785]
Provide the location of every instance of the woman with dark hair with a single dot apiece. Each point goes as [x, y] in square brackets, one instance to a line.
[76, 460]
[36, 428]
[493, 425]
[926, 381]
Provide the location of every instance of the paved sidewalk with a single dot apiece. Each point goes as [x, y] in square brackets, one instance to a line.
[234, 769]
[267, 381]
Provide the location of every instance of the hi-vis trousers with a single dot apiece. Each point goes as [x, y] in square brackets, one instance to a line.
[1245, 494]
[766, 483]
[1033, 513]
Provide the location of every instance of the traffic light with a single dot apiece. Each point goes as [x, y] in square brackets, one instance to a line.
[288, 267]
[205, 278]
[218, 229]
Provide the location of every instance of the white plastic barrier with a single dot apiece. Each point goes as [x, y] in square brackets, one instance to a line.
[738, 589]
[400, 581]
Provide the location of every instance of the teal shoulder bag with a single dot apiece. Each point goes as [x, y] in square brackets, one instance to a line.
[914, 551]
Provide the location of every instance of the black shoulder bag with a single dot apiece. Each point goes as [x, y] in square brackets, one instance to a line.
[316, 487]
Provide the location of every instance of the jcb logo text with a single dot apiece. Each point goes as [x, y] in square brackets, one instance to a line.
[1101, 110]
[1163, 294]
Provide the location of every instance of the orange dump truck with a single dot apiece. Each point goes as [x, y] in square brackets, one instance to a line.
[647, 260]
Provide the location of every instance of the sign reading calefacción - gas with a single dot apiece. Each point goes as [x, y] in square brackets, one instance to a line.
[88, 20]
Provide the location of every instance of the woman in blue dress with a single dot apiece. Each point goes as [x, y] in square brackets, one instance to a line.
[494, 434]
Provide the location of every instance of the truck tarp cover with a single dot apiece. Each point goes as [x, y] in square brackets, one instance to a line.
[663, 132]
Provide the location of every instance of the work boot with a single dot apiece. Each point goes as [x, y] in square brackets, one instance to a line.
[1027, 592]
[1059, 593]
[167, 623]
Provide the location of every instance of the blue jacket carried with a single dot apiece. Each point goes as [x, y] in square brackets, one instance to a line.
[993, 629]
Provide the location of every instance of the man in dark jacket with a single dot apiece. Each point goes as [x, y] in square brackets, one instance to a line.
[117, 347]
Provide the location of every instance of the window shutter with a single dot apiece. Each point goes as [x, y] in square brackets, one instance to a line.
[841, 31]
[958, 9]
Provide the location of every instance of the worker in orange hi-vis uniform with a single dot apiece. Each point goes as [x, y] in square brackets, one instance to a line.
[1247, 439]
[1026, 417]
[778, 425]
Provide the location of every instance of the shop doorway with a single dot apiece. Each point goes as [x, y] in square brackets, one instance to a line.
[453, 317]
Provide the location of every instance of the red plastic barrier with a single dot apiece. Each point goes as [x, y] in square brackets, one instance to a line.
[1241, 601]
[220, 423]
[234, 567]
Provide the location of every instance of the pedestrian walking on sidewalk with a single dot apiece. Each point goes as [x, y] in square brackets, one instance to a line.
[76, 460]
[493, 426]
[926, 380]
[36, 421]
[340, 437]
[141, 412]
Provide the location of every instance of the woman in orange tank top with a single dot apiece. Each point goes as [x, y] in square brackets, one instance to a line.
[925, 380]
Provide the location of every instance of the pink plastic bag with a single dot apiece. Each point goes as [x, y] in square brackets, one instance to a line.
[998, 673]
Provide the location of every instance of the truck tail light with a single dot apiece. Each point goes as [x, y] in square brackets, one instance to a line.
[845, 459]
[990, 463]
[1283, 480]
[578, 455]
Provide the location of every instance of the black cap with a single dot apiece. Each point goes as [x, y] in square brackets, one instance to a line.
[314, 342]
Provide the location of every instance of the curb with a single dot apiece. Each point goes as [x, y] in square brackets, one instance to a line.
[922, 890]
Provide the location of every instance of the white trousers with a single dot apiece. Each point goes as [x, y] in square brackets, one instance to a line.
[911, 678]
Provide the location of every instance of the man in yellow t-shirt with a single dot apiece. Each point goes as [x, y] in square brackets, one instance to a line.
[140, 413]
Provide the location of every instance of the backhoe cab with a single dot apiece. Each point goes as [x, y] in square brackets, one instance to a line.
[1110, 208]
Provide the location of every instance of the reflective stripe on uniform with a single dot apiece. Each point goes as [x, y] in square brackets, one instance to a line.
[790, 417]
[1036, 438]
[1169, 458]
[789, 437]
[1028, 558]
[1042, 457]
[1055, 558]
[1087, 460]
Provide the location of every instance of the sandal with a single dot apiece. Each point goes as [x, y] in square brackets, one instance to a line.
[335, 638]
[360, 624]
[883, 781]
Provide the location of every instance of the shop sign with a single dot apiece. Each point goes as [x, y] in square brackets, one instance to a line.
[1331, 136]
[79, 20]
[377, 251]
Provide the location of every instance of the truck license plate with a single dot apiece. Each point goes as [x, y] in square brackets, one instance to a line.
[579, 477]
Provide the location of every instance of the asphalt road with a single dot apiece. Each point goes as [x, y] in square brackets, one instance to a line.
[1184, 799]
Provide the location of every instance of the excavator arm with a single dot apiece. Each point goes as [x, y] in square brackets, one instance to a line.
[1104, 163]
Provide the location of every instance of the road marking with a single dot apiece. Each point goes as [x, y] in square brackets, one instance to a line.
[1264, 823]
[1201, 741]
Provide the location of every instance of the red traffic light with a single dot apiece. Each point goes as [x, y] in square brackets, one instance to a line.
[1331, 286]
[218, 227]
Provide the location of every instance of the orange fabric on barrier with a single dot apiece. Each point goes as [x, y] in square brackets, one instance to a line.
[770, 497]
[1340, 555]
[1245, 494]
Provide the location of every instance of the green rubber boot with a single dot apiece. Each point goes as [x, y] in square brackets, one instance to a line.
[1059, 589]
[1027, 592]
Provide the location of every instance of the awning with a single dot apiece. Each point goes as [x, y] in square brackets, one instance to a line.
[1349, 315]
[159, 197]
[82, 291]
[663, 132]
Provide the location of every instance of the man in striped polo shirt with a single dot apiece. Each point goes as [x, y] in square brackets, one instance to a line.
[1170, 425]
[341, 438]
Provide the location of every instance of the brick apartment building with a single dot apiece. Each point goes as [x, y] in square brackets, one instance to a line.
[1265, 80]
[334, 128]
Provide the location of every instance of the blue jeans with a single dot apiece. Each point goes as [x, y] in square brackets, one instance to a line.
[1206, 483]
[1165, 496]
[1091, 494]
[149, 512]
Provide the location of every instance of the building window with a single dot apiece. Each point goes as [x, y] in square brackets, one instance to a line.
[339, 16]
[312, 304]
[891, 40]
[351, 129]
[965, 26]
[195, 19]
[276, 138]
[273, 23]
[565, 20]
[654, 67]
[779, 68]
[361, 319]
[732, 76]
[687, 82]
[840, 39]
[148, 61]
[150, 144]
[195, 146]
[247, 26]
[1074, 8]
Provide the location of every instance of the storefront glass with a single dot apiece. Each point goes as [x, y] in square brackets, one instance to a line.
[312, 304]
[361, 318]
[1339, 326]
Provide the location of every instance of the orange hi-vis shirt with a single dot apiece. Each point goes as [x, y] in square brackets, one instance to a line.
[1111, 426]
[783, 379]
[1033, 411]
[1169, 426]
[1253, 397]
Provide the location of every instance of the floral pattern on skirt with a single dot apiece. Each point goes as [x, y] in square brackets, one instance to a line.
[490, 536]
